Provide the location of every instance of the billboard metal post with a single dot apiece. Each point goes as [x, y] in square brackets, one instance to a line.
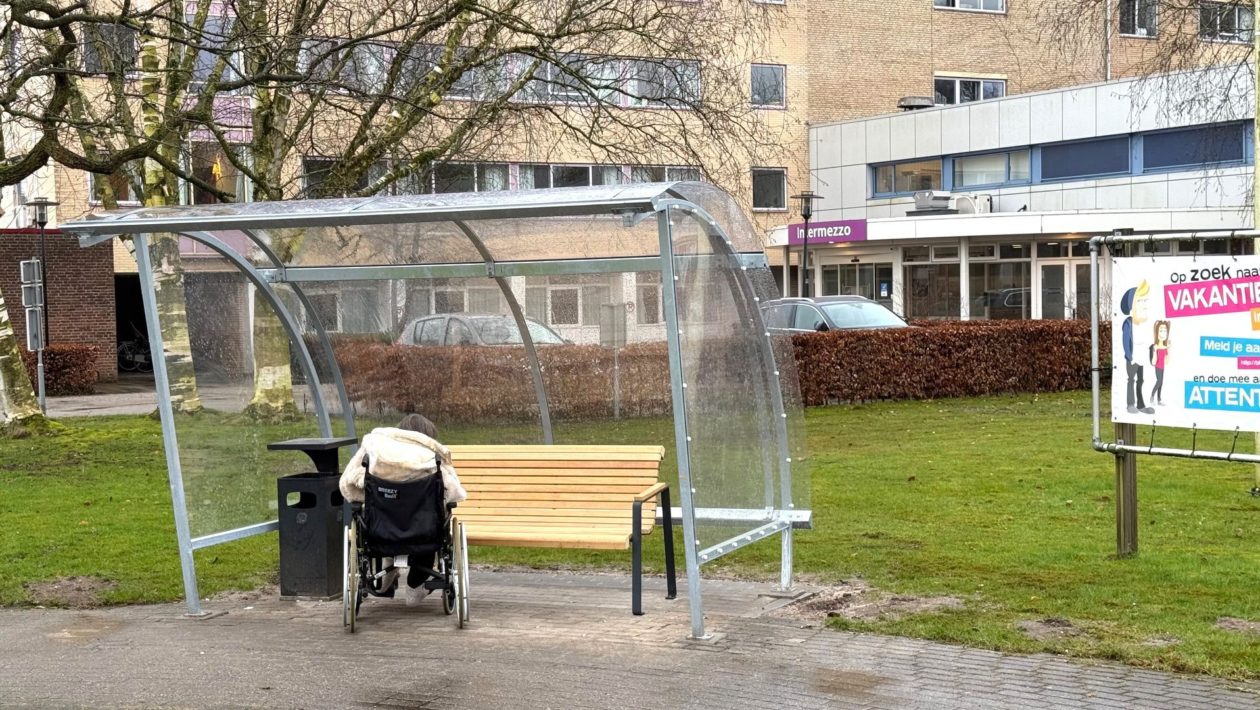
[1126, 493]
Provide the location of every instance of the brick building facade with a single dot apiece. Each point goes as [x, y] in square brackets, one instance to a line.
[80, 292]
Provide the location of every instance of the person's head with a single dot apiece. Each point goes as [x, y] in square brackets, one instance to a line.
[415, 422]
[1161, 331]
[1134, 302]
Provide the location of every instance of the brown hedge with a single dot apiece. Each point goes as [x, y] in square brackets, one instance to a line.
[946, 360]
[69, 368]
[494, 384]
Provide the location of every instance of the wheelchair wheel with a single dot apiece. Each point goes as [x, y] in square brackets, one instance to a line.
[350, 601]
[461, 562]
[448, 594]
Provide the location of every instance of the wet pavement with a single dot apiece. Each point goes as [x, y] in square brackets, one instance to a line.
[540, 640]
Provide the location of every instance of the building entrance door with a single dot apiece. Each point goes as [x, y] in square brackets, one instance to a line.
[1063, 289]
[873, 281]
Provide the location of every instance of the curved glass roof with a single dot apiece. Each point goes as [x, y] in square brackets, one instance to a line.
[404, 209]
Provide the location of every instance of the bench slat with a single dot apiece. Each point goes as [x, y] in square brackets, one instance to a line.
[563, 448]
[643, 482]
[592, 496]
[554, 463]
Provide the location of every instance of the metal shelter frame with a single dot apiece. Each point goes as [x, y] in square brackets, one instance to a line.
[634, 204]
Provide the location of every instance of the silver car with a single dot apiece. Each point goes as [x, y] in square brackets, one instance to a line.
[474, 329]
[809, 315]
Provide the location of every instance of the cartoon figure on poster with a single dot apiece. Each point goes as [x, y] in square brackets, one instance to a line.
[1134, 305]
[1159, 360]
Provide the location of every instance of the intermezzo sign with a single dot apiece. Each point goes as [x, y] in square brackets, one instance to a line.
[1186, 342]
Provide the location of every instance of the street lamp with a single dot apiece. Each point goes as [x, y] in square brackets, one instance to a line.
[807, 210]
[39, 215]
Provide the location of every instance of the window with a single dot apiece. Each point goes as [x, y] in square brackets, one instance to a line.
[1137, 17]
[652, 173]
[457, 333]
[108, 49]
[564, 306]
[1109, 156]
[448, 301]
[454, 177]
[808, 318]
[985, 5]
[120, 184]
[769, 188]
[962, 91]
[212, 165]
[647, 297]
[360, 311]
[430, 331]
[769, 85]
[212, 43]
[991, 169]
[486, 300]
[1226, 22]
[663, 82]
[359, 68]
[316, 170]
[1193, 147]
[932, 290]
[903, 178]
[324, 311]
[1001, 290]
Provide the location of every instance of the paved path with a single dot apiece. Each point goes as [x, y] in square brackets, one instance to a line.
[545, 641]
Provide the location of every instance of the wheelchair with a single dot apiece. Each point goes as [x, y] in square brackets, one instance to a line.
[404, 524]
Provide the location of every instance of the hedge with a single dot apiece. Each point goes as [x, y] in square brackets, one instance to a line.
[489, 384]
[946, 359]
[69, 368]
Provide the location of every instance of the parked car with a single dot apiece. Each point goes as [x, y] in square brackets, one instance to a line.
[474, 329]
[802, 315]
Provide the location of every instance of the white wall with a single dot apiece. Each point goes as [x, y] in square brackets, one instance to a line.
[845, 150]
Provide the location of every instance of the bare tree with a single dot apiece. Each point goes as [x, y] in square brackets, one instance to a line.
[321, 98]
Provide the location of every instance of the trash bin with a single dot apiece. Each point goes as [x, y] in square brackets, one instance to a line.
[310, 507]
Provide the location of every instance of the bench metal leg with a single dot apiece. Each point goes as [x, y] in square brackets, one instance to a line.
[671, 580]
[636, 555]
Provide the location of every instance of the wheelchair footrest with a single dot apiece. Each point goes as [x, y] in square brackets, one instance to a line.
[435, 583]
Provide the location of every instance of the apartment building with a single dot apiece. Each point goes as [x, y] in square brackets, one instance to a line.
[801, 63]
[1017, 186]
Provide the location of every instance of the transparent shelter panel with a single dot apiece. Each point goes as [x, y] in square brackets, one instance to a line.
[213, 329]
[445, 348]
[572, 238]
[735, 450]
[609, 382]
[764, 286]
[439, 242]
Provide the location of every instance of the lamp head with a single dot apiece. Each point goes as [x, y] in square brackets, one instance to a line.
[807, 202]
[39, 210]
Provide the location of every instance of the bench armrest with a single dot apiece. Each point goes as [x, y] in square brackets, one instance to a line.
[651, 492]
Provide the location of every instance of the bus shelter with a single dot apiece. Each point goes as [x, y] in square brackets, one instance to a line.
[505, 317]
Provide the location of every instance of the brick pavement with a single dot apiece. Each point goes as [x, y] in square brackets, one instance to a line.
[540, 640]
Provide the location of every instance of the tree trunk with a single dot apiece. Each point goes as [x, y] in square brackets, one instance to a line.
[19, 409]
[273, 376]
[172, 313]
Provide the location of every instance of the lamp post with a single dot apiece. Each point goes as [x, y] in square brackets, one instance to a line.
[38, 305]
[39, 215]
[807, 210]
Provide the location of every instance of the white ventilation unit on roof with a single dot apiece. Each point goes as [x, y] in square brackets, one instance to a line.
[943, 201]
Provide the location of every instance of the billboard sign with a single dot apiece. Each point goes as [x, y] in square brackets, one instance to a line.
[1186, 342]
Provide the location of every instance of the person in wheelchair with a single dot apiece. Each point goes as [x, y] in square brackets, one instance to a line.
[406, 454]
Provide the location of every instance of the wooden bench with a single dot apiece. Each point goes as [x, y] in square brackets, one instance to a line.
[590, 497]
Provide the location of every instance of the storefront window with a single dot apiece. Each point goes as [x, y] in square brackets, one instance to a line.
[932, 291]
[1001, 290]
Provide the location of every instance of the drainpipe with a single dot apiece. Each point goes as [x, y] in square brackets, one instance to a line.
[1107, 42]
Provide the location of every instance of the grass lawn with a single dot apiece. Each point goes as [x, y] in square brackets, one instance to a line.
[997, 501]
